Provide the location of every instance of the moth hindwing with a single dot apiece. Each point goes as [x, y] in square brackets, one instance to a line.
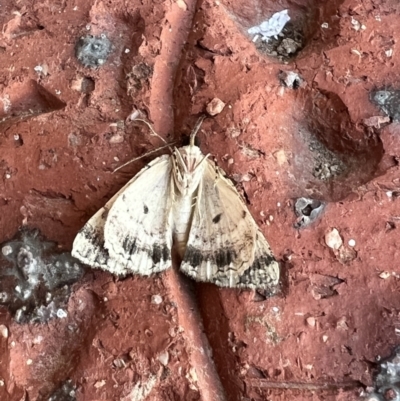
[182, 199]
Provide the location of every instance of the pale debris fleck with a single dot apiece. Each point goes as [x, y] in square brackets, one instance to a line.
[42, 69]
[61, 313]
[38, 339]
[156, 299]
[333, 239]
[181, 4]
[6, 103]
[163, 358]
[290, 79]
[133, 115]
[119, 363]
[215, 106]
[271, 27]
[356, 52]
[384, 275]
[280, 156]
[376, 121]
[389, 53]
[6, 250]
[342, 323]
[193, 379]
[3, 331]
[356, 25]
[346, 255]
[117, 138]
[100, 384]
[352, 242]
[141, 390]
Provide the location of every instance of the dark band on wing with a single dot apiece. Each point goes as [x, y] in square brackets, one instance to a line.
[97, 252]
[160, 252]
[129, 246]
[157, 253]
[261, 274]
[222, 257]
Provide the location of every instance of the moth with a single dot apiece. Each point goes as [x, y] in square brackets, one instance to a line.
[186, 200]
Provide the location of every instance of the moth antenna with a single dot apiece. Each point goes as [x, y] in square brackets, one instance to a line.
[146, 154]
[154, 133]
[196, 129]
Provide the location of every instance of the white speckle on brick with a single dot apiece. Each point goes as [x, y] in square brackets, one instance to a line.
[352, 242]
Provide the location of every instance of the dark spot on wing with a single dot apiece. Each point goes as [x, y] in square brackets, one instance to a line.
[156, 256]
[262, 262]
[217, 218]
[224, 257]
[97, 252]
[129, 246]
[193, 256]
[166, 253]
[160, 252]
[145, 209]
[244, 213]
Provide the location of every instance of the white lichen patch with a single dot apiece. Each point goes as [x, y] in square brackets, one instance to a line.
[35, 278]
[271, 27]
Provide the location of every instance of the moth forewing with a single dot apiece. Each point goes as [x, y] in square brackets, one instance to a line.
[120, 235]
[138, 232]
[222, 240]
[89, 245]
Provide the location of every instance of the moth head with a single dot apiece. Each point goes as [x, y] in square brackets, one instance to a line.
[188, 164]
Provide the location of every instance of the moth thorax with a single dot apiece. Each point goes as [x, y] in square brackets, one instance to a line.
[188, 169]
